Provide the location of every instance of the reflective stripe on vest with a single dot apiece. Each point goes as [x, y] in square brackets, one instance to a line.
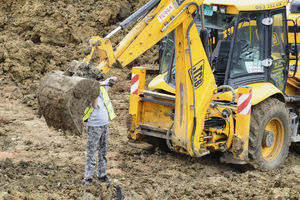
[107, 103]
[87, 113]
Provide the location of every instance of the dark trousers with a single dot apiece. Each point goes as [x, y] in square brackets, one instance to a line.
[97, 140]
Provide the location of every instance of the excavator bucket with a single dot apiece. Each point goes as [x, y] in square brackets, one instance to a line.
[63, 98]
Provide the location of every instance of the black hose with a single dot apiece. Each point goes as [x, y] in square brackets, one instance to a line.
[229, 88]
[228, 124]
[192, 75]
[169, 138]
[296, 48]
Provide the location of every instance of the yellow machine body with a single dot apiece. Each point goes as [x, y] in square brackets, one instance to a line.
[197, 116]
[181, 114]
[235, 134]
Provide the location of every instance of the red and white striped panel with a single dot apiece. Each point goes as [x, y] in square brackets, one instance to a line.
[244, 104]
[134, 84]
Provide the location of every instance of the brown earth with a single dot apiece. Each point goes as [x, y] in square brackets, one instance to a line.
[40, 163]
[39, 36]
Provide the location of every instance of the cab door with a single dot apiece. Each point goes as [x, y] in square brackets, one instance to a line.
[279, 49]
[249, 49]
[259, 51]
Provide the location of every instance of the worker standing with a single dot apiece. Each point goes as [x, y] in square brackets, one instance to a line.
[97, 133]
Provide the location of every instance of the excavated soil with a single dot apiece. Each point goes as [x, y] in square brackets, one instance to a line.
[37, 162]
[40, 36]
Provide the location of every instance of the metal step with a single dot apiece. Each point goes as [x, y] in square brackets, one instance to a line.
[295, 121]
[152, 131]
[228, 158]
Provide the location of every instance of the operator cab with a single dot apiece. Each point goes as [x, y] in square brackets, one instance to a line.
[244, 48]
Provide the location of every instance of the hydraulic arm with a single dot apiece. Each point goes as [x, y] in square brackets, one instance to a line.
[155, 20]
[194, 77]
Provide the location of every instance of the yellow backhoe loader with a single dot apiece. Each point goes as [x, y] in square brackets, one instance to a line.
[231, 71]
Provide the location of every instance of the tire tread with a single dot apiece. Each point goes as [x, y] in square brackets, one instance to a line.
[258, 115]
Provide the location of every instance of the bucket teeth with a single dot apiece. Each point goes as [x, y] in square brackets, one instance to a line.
[85, 70]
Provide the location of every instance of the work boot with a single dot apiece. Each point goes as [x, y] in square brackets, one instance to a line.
[104, 179]
[88, 181]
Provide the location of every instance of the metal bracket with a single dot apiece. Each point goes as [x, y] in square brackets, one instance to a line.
[267, 21]
[202, 152]
[147, 21]
[267, 62]
[94, 42]
[293, 67]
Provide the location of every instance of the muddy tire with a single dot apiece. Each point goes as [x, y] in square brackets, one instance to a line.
[270, 134]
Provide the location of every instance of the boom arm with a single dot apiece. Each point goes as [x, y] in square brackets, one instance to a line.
[151, 29]
[195, 84]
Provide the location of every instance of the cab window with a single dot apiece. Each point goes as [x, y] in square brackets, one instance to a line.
[248, 50]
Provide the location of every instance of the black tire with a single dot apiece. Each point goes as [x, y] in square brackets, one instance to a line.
[273, 114]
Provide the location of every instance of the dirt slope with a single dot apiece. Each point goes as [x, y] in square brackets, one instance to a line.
[39, 36]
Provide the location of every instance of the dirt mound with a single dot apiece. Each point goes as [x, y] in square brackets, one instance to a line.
[40, 36]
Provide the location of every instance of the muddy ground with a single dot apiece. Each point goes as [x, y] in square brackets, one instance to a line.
[40, 163]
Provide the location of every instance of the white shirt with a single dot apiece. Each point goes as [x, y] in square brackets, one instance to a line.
[99, 116]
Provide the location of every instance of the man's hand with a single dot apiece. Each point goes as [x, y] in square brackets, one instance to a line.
[95, 103]
[112, 81]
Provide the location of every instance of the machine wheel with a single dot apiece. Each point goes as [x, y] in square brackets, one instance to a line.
[270, 134]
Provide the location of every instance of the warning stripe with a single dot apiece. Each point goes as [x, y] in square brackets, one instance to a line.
[244, 104]
[134, 84]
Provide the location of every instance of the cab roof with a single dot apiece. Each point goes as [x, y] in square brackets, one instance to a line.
[235, 6]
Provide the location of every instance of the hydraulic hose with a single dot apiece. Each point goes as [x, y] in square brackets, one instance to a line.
[169, 138]
[139, 13]
[135, 16]
[228, 87]
[192, 75]
[296, 47]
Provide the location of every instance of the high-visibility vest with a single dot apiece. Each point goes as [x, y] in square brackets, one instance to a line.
[111, 113]
[107, 103]
[87, 113]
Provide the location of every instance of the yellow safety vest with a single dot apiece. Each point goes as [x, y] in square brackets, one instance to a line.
[111, 113]
[107, 103]
[87, 113]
